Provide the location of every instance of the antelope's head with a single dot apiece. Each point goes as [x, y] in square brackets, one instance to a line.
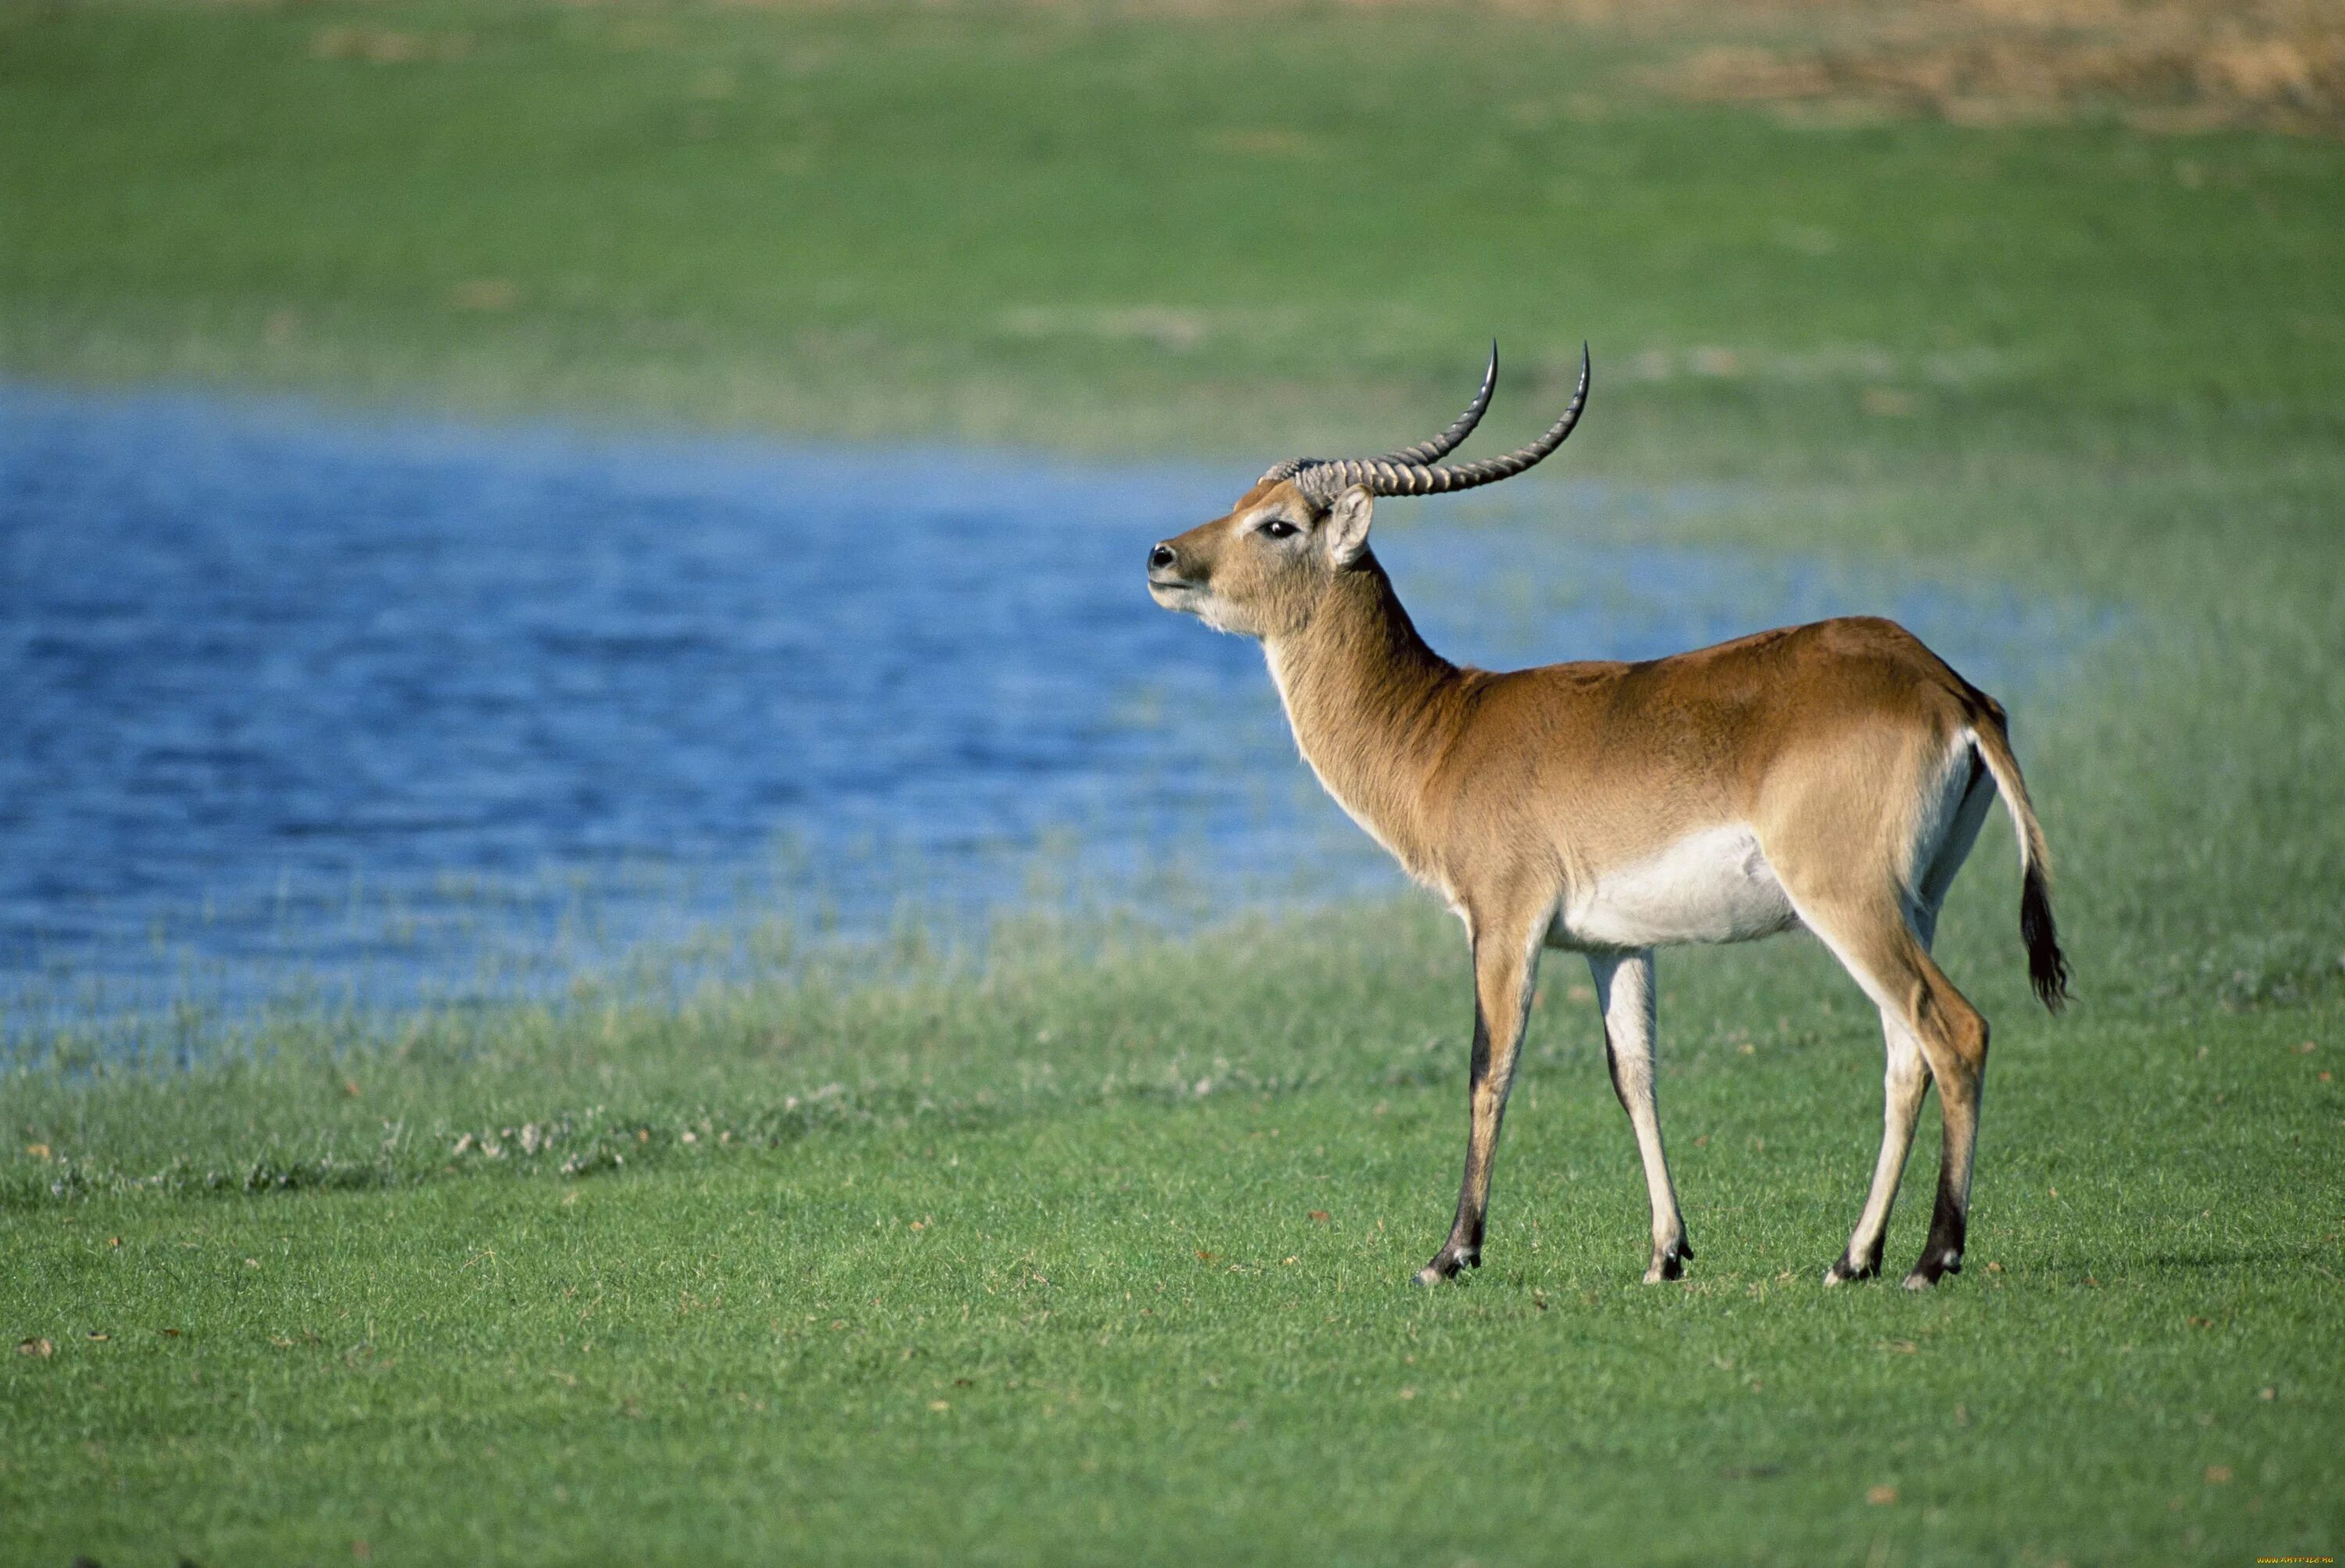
[1261, 569]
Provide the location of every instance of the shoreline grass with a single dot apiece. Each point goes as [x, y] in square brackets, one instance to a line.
[1084, 1341]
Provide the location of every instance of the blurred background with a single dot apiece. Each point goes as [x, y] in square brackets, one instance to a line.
[562, 500]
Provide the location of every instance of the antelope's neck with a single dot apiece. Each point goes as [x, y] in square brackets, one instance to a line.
[1372, 707]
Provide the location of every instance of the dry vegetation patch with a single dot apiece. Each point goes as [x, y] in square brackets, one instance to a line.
[2157, 65]
[2163, 65]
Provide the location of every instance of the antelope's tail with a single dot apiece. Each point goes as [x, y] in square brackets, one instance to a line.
[2047, 966]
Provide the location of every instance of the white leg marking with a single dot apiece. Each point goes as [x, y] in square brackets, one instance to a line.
[1903, 1083]
[1624, 991]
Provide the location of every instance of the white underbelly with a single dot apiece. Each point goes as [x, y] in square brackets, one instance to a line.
[1713, 886]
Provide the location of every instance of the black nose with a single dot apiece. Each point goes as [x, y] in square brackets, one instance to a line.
[1161, 557]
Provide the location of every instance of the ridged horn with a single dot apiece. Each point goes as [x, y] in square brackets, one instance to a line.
[1424, 451]
[1323, 479]
[1461, 427]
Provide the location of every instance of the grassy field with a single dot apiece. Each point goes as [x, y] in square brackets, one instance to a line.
[1098, 1252]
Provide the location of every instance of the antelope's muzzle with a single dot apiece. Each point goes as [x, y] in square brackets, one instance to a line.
[1165, 575]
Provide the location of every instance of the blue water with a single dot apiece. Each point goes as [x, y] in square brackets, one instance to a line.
[366, 713]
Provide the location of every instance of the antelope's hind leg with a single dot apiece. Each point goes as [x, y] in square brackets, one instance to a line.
[1506, 963]
[1904, 1083]
[1888, 959]
[1624, 994]
[1905, 1079]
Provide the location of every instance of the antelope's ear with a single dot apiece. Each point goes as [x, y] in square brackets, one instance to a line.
[1347, 525]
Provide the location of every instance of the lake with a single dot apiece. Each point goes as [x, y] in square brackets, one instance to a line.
[305, 709]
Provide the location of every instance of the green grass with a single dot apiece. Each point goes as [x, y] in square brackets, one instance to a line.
[2120, 358]
[1055, 223]
[736, 1347]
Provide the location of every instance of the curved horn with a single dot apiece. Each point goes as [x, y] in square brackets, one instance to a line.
[1325, 480]
[1424, 451]
[1461, 427]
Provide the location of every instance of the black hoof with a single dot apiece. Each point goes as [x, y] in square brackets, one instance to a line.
[1847, 1268]
[1935, 1264]
[1444, 1266]
[1670, 1262]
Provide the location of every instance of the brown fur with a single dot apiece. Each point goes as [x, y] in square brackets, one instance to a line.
[1514, 794]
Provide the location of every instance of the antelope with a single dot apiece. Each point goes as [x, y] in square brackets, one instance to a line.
[1830, 778]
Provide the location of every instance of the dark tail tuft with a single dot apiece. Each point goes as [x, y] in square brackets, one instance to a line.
[2047, 966]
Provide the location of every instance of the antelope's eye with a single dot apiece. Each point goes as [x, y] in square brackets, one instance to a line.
[1280, 528]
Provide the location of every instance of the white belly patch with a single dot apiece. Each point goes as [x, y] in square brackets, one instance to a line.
[1713, 885]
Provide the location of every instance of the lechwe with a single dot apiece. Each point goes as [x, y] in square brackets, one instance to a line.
[1832, 776]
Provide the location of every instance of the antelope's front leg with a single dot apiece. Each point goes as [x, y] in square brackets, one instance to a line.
[1505, 965]
[1624, 992]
